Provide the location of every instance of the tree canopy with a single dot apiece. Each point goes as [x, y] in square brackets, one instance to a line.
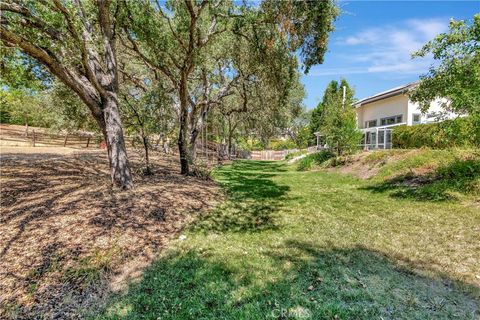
[167, 67]
[335, 118]
[456, 76]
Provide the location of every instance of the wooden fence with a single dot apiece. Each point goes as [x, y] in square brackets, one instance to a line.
[39, 137]
[276, 155]
[273, 155]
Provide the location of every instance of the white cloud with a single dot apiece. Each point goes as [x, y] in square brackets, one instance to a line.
[430, 28]
[404, 68]
[318, 71]
[389, 48]
[367, 36]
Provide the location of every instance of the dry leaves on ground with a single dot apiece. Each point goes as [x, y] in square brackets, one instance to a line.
[67, 239]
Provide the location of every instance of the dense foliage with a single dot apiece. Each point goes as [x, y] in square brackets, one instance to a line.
[314, 159]
[460, 132]
[173, 69]
[457, 76]
[335, 119]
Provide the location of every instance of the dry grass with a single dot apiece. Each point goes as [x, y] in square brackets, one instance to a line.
[67, 239]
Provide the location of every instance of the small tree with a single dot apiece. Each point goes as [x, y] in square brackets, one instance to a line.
[146, 113]
[336, 118]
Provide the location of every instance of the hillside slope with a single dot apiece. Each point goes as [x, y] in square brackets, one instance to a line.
[422, 174]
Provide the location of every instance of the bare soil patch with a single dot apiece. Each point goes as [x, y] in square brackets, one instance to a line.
[366, 165]
[67, 240]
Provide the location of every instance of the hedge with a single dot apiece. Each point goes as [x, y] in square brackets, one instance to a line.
[460, 132]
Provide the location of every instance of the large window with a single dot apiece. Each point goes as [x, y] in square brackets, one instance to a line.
[371, 123]
[391, 120]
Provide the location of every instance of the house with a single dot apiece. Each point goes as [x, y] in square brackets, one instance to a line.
[376, 115]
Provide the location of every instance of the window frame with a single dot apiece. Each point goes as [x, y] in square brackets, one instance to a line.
[395, 117]
[368, 122]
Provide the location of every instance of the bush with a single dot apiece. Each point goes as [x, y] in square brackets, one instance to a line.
[460, 132]
[462, 175]
[282, 145]
[201, 170]
[316, 158]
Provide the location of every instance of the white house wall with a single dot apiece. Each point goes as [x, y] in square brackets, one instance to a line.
[435, 108]
[393, 106]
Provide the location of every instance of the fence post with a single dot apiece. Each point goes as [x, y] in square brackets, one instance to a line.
[34, 137]
[65, 141]
[88, 141]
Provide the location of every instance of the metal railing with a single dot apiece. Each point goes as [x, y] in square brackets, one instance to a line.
[376, 138]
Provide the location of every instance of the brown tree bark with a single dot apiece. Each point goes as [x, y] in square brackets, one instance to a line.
[147, 159]
[117, 153]
[183, 130]
[230, 138]
[192, 146]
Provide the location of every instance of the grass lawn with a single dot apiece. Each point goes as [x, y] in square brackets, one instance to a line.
[314, 245]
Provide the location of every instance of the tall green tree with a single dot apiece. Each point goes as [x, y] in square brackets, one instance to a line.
[174, 39]
[335, 118]
[71, 114]
[76, 42]
[208, 48]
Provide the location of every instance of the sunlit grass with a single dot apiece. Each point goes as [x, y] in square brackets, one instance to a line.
[313, 245]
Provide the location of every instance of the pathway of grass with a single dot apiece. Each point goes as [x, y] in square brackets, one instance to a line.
[313, 245]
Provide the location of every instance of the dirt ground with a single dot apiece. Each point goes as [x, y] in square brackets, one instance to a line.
[67, 240]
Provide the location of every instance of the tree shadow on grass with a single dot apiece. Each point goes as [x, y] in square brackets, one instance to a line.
[309, 282]
[458, 177]
[253, 199]
[60, 220]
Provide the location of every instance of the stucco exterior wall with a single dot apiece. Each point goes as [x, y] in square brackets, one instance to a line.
[393, 106]
[399, 105]
[435, 108]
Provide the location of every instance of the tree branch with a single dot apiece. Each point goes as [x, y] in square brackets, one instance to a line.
[46, 57]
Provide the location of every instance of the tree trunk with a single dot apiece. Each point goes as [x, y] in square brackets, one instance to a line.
[231, 130]
[230, 145]
[117, 154]
[147, 160]
[192, 147]
[182, 133]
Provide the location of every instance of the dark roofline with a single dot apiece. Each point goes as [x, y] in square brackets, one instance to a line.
[386, 94]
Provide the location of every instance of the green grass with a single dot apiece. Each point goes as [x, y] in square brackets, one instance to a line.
[427, 175]
[313, 245]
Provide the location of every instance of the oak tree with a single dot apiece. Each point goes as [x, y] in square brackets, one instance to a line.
[76, 41]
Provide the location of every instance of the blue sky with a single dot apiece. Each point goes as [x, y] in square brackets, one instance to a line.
[373, 40]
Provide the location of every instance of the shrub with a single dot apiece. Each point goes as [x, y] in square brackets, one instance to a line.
[316, 158]
[282, 145]
[201, 170]
[462, 175]
[305, 164]
[460, 132]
